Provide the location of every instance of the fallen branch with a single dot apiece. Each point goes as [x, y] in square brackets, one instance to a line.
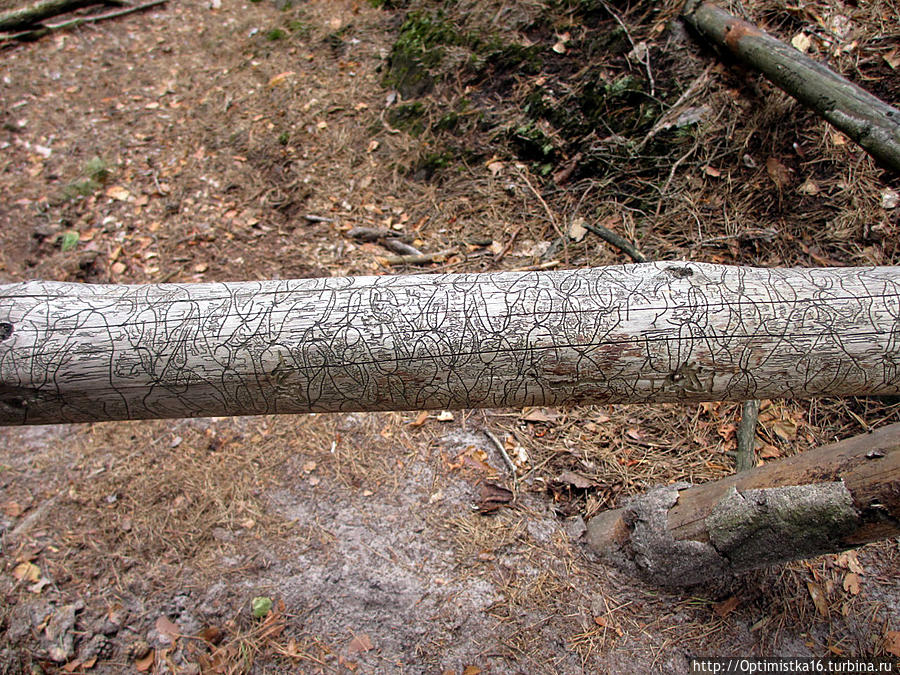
[868, 120]
[745, 458]
[615, 240]
[44, 30]
[826, 500]
[416, 259]
[29, 16]
[621, 334]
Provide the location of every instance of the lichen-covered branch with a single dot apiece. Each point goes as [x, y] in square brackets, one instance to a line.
[630, 333]
[822, 501]
[868, 120]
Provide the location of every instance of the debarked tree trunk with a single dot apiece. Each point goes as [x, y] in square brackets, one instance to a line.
[826, 500]
[634, 333]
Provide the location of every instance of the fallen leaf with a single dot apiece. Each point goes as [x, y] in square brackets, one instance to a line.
[118, 192]
[360, 643]
[72, 666]
[471, 670]
[540, 415]
[848, 560]
[711, 171]
[117, 268]
[892, 642]
[778, 172]
[809, 187]
[785, 429]
[889, 199]
[39, 585]
[12, 509]
[769, 452]
[892, 58]
[818, 598]
[560, 46]
[445, 416]
[280, 78]
[577, 230]
[801, 42]
[725, 607]
[495, 167]
[851, 583]
[145, 663]
[167, 627]
[309, 466]
[27, 571]
[576, 480]
[492, 497]
[420, 419]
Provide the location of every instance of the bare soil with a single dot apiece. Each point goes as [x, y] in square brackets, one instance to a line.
[191, 143]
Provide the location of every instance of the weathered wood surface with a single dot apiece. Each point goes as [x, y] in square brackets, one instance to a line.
[822, 501]
[872, 123]
[632, 333]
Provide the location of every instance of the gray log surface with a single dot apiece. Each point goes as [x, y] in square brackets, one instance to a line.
[868, 120]
[632, 333]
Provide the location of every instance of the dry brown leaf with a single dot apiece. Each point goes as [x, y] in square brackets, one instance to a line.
[818, 598]
[360, 643]
[576, 480]
[801, 42]
[769, 452]
[444, 416]
[712, 171]
[309, 466]
[892, 58]
[471, 670]
[118, 192]
[778, 172]
[540, 415]
[851, 583]
[725, 607]
[27, 571]
[167, 627]
[420, 419]
[280, 78]
[12, 509]
[145, 663]
[892, 642]
[785, 429]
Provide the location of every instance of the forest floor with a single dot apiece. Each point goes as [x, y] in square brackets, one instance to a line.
[212, 141]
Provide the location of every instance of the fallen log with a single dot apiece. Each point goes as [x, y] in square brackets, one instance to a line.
[42, 30]
[826, 500]
[26, 17]
[632, 333]
[868, 120]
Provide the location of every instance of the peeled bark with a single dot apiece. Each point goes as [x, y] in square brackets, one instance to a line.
[822, 501]
[868, 120]
[629, 334]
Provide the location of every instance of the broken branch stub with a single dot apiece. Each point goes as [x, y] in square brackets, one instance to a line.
[826, 500]
[630, 334]
[865, 118]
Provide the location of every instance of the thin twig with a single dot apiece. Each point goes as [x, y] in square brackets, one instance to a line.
[496, 442]
[541, 200]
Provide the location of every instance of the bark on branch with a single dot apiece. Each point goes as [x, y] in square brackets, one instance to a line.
[631, 333]
[868, 120]
[26, 17]
[826, 500]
